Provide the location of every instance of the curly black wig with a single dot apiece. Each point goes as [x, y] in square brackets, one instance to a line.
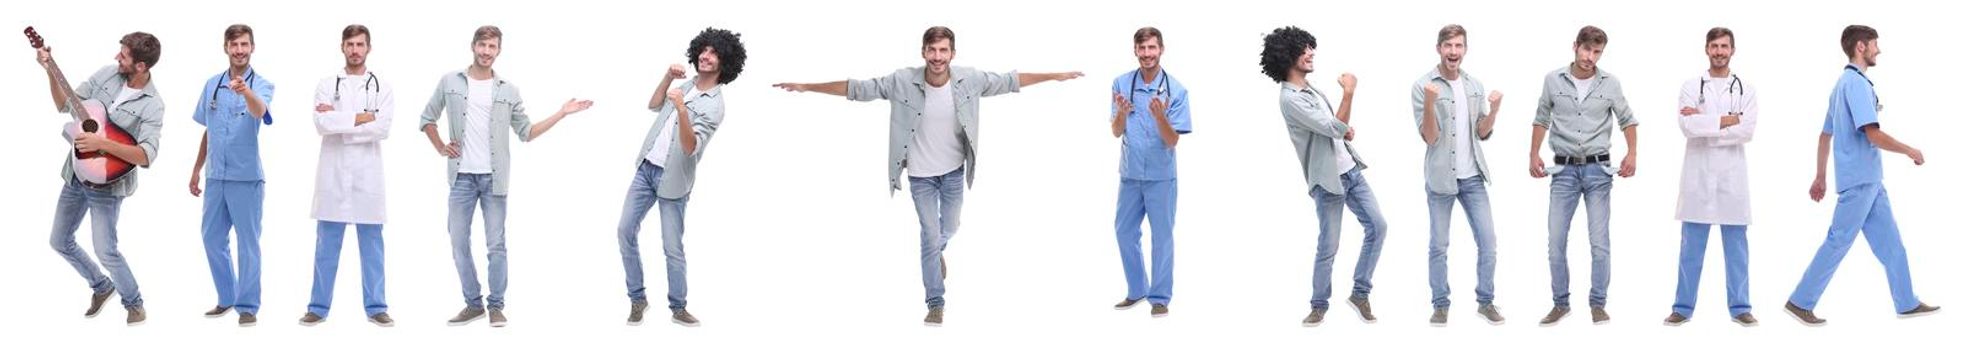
[729, 52]
[1281, 48]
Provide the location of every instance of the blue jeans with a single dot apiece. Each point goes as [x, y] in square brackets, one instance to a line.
[938, 204]
[1590, 184]
[1692, 258]
[1147, 200]
[102, 208]
[1480, 216]
[1864, 208]
[474, 190]
[1330, 216]
[327, 259]
[641, 196]
[234, 206]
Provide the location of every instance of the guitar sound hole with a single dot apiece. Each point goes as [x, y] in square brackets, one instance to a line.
[89, 126]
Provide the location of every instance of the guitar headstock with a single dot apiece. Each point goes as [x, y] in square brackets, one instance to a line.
[33, 38]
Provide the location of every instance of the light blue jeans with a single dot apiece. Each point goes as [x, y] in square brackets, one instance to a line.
[1480, 216]
[234, 207]
[1866, 209]
[1590, 184]
[472, 191]
[1154, 201]
[1330, 216]
[938, 203]
[327, 260]
[1692, 258]
[102, 208]
[641, 197]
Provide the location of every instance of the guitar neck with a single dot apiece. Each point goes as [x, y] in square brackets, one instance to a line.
[74, 102]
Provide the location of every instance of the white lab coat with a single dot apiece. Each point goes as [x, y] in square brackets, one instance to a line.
[348, 184]
[1713, 185]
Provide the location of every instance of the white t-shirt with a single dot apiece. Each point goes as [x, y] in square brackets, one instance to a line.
[124, 96]
[1583, 87]
[476, 145]
[659, 154]
[936, 149]
[1463, 131]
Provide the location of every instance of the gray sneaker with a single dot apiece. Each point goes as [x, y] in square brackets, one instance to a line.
[1555, 315]
[634, 313]
[1316, 317]
[311, 320]
[682, 317]
[470, 314]
[247, 319]
[95, 303]
[136, 316]
[1806, 316]
[1598, 316]
[1363, 306]
[934, 318]
[1746, 320]
[1159, 310]
[1676, 319]
[1439, 317]
[497, 318]
[218, 311]
[1491, 314]
[1920, 311]
[382, 320]
[1127, 304]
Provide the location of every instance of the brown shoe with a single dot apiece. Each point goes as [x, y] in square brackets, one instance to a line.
[470, 313]
[1438, 319]
[311, 320]
[635, 311]
[1746, 320]
[1316, 318]
[1555, 315]
[382, 320]
[218, 311]
[248, 320]
[136, 316]
[1920, 311]
[1127, 304]
[1491, 314]
[1159, 310]
[682, 317]
[934, 318]
[1363, 307]
[1598, 316]
[96, 301]
[1806, 316]
[1676, 320]
[497, 318]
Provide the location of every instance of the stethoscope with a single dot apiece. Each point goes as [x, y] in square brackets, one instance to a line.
[212, 101]
[1872, 86]
[367, 85]
[1732, 87]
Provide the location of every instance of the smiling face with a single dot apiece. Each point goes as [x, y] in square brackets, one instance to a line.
[937, 55]
[1719, 52]
[1148, 53]
[484, 52]
[239, 50]
[1451, 52]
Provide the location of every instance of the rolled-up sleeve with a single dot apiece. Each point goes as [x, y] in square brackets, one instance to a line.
[872, 89]
[994, 83]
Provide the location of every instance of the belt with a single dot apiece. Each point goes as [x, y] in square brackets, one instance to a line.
[1564, 160]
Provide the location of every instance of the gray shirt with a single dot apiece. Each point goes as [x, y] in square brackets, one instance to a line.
[142, 116]
[705, 114]
[1315, 132]
[1581, 127]
[451, 99]
[1441, 159]
[906, 90]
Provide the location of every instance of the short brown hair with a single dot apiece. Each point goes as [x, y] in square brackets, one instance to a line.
[1854, 34]
[1140, 36]
[937, 33]
[1719, 32]
[1450, 31]
[355, 30]
[1592, 35]
[144, 48]
[237, 30]
[488, 33]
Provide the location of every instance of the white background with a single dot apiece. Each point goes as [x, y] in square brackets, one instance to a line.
[794, 242]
